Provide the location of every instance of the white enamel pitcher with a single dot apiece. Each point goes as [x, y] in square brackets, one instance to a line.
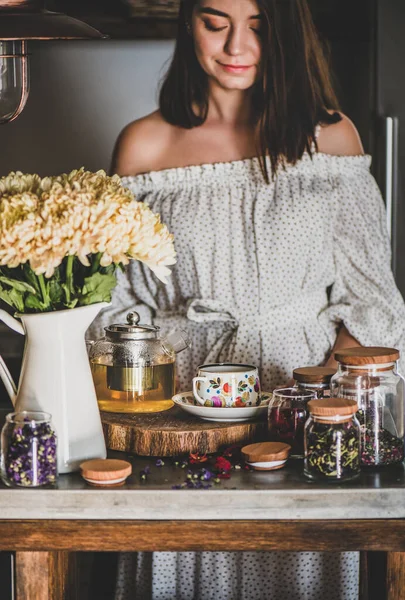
[56, 378]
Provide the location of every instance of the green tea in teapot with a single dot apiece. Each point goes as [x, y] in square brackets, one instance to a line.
[134, 389]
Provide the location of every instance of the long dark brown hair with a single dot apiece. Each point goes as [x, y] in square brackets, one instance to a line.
[290, 98]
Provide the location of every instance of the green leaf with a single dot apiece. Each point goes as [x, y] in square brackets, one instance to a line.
[30, 276]
[16, 299]
[67, 299]
[20, 286]
[97, 288]
[66, 291]
[56, 275]
[5, 296]
[34, 302]
[110, 270]
[70, 303]
[55, 292]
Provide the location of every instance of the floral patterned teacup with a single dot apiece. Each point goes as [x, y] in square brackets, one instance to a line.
[227, 385]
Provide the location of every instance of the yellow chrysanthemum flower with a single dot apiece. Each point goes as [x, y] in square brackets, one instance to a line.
[76, 214]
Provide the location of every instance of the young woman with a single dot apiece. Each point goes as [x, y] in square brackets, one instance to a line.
[283, 253]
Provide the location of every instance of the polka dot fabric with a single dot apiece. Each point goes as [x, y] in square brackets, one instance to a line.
[265, 274]
[238, 576]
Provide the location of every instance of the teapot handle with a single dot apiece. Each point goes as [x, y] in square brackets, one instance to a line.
[8, 381]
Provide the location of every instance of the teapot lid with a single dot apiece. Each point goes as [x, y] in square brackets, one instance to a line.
[132, 329]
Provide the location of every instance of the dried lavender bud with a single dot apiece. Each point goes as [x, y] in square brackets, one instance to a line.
[30, 455]
[332, 451]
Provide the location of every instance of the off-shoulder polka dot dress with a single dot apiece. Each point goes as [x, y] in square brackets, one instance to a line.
[265, 274]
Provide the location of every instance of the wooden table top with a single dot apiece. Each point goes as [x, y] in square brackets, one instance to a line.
[248, 495]
[258, 495]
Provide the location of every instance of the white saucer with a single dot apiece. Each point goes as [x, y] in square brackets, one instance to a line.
[187, 402]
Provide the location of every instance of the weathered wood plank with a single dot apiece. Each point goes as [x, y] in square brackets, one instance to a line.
[396, 576]
[376, 535]
[32, 576]
[46, 576]
[63, 572]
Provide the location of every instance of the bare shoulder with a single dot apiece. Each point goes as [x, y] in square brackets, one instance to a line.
[340, 138]
[141, 144]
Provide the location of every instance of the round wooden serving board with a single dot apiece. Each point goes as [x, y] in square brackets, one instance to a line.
[174, 432]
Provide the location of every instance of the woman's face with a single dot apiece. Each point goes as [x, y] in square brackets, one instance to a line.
[227, 41]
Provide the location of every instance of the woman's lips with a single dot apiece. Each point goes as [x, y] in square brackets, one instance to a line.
[235, 68]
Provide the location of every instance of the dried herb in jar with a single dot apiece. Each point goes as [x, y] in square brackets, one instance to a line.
[369, 375]
[287, 416]
[287, 425]
[333, 450]
[332, 440]
[31, 455]
[378, 445]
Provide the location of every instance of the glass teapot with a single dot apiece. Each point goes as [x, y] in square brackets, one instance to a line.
[133, 367]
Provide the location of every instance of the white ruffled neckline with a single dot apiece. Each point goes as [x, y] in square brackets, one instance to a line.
[356, 160]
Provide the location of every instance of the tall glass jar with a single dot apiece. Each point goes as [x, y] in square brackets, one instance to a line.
[314, 379]
[287, 415]
[369, 376]
[332, 440]
[28, 450]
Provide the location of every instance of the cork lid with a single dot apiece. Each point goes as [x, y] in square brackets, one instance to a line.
[314, 374]
[330, 407]
[105, 471]
[265, 452]
[368, 355]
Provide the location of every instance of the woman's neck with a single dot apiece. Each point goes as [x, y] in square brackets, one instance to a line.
[229, 107]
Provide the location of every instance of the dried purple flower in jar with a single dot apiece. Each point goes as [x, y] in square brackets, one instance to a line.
[29, 451]
[379, 447]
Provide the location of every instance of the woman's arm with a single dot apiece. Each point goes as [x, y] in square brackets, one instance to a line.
[340, 139]
[364, 297]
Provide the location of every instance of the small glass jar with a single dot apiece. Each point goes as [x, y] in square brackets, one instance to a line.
[332, 440]
[287, 415]
[314, 379]
[369, 376]
[28, 450]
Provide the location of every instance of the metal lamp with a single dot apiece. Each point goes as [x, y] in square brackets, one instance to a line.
[22, 20]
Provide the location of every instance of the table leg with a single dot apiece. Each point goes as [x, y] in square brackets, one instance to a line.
[373, 575]
[395, 575]
[363, 589]
[45, 576]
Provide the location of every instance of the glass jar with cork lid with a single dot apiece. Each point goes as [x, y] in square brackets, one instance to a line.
[332, 440]
[370, 377]
[314, 379]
